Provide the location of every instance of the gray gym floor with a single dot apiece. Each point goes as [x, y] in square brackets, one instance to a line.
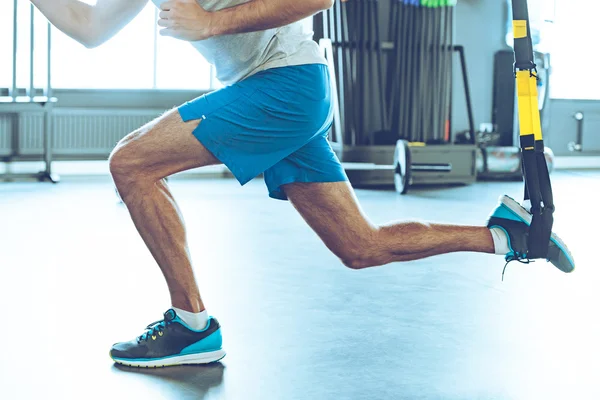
[75, 278]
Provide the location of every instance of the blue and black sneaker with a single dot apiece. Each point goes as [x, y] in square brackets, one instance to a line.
[171, 342]
[515, 220]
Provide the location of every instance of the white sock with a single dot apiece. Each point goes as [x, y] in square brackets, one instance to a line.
[196, 321]
[527, 205]
[500, 241]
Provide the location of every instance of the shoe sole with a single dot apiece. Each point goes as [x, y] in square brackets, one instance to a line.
[199, 358]
[526, 217]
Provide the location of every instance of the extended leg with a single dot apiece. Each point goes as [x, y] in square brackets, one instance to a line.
[138, 165]
[332, 211]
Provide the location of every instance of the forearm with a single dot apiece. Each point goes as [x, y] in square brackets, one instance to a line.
[69, 16]
[258, 15]
[90, 25]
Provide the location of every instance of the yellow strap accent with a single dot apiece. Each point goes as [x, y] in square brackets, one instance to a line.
[529, 113]
[417, 144]
[520, 29]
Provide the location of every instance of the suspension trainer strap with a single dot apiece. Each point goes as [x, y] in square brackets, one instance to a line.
[538, 188]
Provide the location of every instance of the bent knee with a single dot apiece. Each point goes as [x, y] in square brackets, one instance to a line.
[368, 253]
[357, 262]
[125, 157]
[127, 170]
[363, 261]
[120, 161]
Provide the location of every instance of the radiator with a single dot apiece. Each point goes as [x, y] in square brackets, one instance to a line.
[5, 132]
[78, 133]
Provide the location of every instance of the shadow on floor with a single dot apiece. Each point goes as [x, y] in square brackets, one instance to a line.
[193, 381]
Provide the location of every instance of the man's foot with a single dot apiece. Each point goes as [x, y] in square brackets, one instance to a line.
[171, 342]
[515, 220]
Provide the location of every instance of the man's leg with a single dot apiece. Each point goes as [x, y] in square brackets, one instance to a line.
[138, 165]
[332, 210]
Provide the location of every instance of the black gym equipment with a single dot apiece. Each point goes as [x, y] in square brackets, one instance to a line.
[409, 100]
[437, 162]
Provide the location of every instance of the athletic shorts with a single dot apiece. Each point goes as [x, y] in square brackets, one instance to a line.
[275, 122]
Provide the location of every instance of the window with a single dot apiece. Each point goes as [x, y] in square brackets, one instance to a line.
[566, 29]
[574, 50]
[180, 66]
[124, 62]
[541, 17]
[136, 58]
[23, 46]
[6, 27]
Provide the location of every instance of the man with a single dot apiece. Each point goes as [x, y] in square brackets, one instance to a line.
[272, 117]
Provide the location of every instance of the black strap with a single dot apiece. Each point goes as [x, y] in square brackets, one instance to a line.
[538, 188]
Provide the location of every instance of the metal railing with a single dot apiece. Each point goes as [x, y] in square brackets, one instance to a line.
[16, 103]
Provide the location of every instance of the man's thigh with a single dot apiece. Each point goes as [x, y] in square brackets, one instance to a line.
[163, 147]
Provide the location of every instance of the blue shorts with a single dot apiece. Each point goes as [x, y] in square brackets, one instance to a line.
[275, 122]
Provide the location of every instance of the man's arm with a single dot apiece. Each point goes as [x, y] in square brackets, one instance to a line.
[185, 19]
[259, 15]
[90, 25]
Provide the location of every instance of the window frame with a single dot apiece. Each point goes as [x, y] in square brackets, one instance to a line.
[150, 91]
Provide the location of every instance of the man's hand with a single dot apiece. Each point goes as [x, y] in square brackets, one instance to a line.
[185, 20]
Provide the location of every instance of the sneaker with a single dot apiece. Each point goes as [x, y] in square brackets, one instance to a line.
[515, 220]
[171, 342]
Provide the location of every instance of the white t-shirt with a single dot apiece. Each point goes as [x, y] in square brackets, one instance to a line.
[238, 56]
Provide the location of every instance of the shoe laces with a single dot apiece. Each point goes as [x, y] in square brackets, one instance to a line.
[157, 327]
[516, 256]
